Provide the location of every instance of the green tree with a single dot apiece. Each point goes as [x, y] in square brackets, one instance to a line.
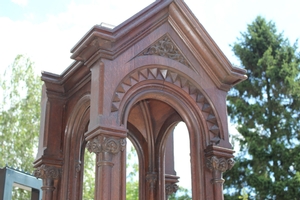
[266, 110]
[181, 194]
[132, 172]
[88, 186]
[20, 90]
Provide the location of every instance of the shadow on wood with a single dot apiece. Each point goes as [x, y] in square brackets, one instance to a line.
[138, 80]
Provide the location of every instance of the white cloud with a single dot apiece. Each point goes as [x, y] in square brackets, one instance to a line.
[20, 2]
[49, 43]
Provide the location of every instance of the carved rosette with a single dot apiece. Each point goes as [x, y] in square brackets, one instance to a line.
[47, 172]
[151, 178]
[106, 144]
[219, 164]
[171, 188]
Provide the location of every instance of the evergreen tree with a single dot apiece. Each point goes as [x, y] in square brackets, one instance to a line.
[266, 110]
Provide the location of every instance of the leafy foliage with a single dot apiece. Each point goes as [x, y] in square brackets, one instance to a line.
[181, 194]
[19, 116]
[88, 188]
[266, 110]
[132, 172]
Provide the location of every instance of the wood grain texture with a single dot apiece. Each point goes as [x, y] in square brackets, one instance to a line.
[137, 81]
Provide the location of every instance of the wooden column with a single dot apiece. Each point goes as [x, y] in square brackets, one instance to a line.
[106, 148]
[170, 174]
[151, 179]
[218, 160]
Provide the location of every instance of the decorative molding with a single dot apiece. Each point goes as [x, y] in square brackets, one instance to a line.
[101, 144]
[219, 164]
[171, 188]
[151, 178]
[165, 47]
[168, 75]
[47, 172]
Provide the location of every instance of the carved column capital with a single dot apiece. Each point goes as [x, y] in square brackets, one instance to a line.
[220, 164]
[102, 144]
[47, 172]
[171, 188]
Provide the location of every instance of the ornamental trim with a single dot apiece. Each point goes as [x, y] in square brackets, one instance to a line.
[220, 164]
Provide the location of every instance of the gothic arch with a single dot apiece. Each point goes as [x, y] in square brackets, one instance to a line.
[187, 109]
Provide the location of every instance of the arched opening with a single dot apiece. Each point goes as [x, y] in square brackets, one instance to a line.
[150, 122]
[182, 162]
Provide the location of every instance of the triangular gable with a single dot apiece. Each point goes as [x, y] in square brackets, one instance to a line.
[102, 42]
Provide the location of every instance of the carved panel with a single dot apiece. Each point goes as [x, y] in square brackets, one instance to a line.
[165, 47]
[168, 75]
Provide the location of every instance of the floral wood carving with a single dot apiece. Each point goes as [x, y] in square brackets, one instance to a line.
[168, 75]
[165, 47]
[110, 145]
[171, 188]
[47, 172]
[219, 164]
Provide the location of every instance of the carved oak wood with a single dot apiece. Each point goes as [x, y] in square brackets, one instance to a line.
[137, 81]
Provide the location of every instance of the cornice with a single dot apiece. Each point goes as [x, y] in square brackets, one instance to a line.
[102, 42]
[68, 82]
[108, 43]
[203, 47]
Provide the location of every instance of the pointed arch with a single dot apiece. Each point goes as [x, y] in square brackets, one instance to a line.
[188, 110]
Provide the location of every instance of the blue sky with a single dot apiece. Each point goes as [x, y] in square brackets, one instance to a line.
[47, 30]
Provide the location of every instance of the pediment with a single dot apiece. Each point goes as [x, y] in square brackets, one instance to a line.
[101, 42]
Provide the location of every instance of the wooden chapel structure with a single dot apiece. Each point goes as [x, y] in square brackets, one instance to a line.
[137, 81]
